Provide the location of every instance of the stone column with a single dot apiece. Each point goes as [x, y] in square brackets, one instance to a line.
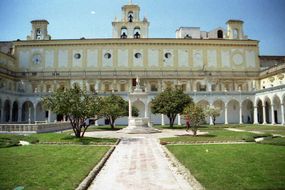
[282, 114]
[179, 119]
[240, 113]
[264, 116]
[146, 111]
[11, 111]
[162, 119]
[226, 114]
[211, 120]
[19, 114]
[49, 116]
[2, 114]
[96, 122]
[35, 112]
[272, 114]
[255, 118]
[130, 108]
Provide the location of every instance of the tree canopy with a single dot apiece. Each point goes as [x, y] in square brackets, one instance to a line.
[76, 104]
[196, 116]
[213, 112]
[170, 102]
[113, 107]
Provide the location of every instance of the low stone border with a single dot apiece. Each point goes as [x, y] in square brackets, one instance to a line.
[77, 143]
[94, 172]
[205, 142]
[184, 171]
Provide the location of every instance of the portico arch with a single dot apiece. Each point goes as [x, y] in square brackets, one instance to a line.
[15, 111]
[7, 108]
[27, 111]
[41, 113]
[276, 114]
[219, 104]
[259, 108]
[267, 110]
[233, 111]
[247, 111]
[204, 104]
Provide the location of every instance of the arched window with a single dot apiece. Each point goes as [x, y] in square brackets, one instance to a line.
[124, 32]
[130, 16]
[220, 34]
[38, 33]
[235, 33]
[137, 32]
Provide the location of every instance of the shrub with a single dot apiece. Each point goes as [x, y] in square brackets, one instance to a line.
[274, 141]
[8, 142]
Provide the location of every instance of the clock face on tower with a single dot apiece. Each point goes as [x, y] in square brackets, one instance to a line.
[37, 59]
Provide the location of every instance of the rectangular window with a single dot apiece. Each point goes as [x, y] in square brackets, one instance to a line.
[122, 88]
[153, 87]
[107, 87]
[134, 82]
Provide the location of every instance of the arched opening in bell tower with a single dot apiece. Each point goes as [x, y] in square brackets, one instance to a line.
[130, 16]
[137, 32]
[235, 33]
[220, 34]
[124, 32]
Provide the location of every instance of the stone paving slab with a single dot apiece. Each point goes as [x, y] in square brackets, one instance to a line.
[139, 163]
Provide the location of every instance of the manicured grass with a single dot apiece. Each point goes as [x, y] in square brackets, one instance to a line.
[213, 135]
[274, 141]
[7, 140]
[273, 129]
[104, 128]
[68, 138]
[243, 166]
[183, 127]
[47, 167]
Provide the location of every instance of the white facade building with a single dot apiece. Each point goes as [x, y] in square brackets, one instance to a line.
[220, 68]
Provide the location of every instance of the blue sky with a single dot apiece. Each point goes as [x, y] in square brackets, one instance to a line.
[73, 19]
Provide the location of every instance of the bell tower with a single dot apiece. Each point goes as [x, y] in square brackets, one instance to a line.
[235, 30]
[130, 26]
[39, 30]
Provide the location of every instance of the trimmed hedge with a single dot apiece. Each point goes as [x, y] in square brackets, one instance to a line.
[274, 141]
[253, 136]
[8, 140]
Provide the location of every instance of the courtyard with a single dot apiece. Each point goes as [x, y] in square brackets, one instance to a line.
[218, 158]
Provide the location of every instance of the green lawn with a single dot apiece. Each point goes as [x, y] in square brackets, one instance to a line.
[273, 129]
[68, 138]
[214, 135]
[47, 166]
[243, 166]
[104, 128]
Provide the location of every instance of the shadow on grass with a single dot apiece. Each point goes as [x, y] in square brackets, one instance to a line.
[190, 135]
[88, 140]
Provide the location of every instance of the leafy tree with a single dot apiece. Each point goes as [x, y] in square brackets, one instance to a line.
[114, 107]
[170, 102]
[213, 112]
[196, 115]
[76, 104]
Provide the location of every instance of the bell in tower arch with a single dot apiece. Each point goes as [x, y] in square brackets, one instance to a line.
[130, 16]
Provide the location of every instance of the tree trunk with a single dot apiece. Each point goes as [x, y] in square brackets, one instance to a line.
[171, 120]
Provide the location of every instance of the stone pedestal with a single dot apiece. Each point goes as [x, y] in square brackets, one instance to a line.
[138, 125]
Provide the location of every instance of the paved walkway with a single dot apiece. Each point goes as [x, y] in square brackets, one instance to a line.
[139, 163]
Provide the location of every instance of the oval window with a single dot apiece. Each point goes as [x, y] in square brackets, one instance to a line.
[138, 55]
[167, 55]
[107, 55]
[77, 56]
